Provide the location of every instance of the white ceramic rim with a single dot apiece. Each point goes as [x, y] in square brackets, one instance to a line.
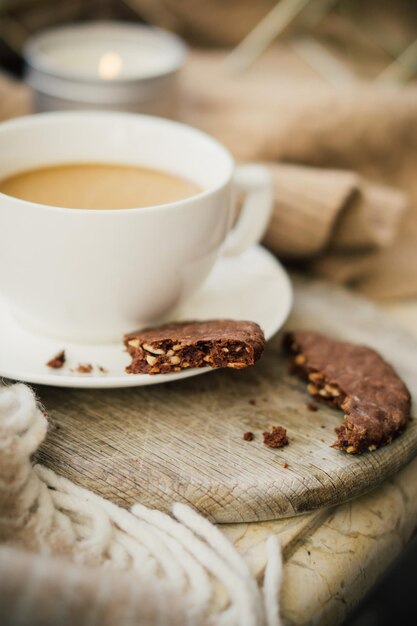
[32, 51]
[30, 120]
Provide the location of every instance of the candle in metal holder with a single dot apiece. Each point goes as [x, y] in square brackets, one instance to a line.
[104, 65]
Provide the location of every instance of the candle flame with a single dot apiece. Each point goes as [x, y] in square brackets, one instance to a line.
[110, 65]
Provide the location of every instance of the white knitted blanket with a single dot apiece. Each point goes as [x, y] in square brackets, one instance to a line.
[67, 556]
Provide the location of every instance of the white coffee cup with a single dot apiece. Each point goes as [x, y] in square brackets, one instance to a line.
[91, 276]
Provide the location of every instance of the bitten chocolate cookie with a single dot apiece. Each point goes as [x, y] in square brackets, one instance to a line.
[180, 345]
[357, 380]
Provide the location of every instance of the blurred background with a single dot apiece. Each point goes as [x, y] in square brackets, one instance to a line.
[323, 91]
[340, 39]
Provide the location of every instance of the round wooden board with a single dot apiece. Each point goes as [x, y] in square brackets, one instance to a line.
[183, 441]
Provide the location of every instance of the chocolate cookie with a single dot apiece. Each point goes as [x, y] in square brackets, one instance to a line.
[180, 345]
[357, 380]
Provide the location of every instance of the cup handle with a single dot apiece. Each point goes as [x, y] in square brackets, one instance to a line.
[256, 183]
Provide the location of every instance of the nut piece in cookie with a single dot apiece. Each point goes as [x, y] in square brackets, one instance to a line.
[357, 380]
[57, 361]
[180, 345]
[276, 437]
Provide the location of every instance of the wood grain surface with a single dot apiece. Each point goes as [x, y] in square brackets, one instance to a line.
[182, 441]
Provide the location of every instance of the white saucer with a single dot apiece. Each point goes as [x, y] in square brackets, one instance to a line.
[253, 286]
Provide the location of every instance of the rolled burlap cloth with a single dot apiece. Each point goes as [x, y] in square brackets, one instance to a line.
[318, 210]
[340, 205]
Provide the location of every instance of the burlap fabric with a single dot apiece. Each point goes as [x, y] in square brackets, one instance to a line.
[347, 206]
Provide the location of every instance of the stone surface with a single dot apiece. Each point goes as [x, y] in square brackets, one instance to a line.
[332, 557]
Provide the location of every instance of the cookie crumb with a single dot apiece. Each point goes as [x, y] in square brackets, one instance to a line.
[285, 465]
[84, 368]
[276, 437]
[252, 402]
[102, 369]
[248, 436]
[312, 406]
[57, 361]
